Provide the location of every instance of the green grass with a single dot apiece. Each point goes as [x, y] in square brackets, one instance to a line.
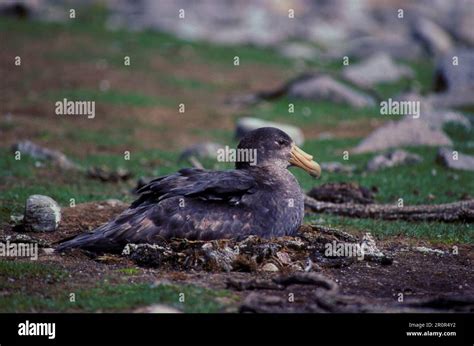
[114, 97]
[437, 232]
[105, 297]
[129, 271]
[15, 270]
[90, 22]
[187, 83]
[413, 183]
[321, 113]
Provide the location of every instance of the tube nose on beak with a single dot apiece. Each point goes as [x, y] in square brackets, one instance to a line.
[303, 160]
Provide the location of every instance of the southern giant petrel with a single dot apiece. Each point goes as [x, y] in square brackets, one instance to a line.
[260, 198]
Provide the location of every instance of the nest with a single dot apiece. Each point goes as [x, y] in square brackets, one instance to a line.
[305, 252]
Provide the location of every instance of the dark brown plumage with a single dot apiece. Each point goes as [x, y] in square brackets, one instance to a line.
[262, 199]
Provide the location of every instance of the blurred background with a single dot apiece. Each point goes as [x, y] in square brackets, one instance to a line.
[202, 73]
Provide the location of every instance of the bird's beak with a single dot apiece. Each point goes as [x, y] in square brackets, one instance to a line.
[305, 161]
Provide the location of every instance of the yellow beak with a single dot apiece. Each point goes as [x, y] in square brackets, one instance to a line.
[305, 161]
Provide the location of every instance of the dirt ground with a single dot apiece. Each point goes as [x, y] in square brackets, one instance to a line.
[428, 281]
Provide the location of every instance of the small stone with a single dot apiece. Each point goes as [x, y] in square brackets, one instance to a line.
[115, 203]
[42, 214]
[16, 219]
[105, 174]
[427, 250]
[342, 193]
[337, 167]
[201, 150]
[270, 267]
[283, 257]
[37, 152]
[296, 50]
[48, 251]
[322, 87]
[454, 84]
[157, 309]
[435, 39]
[247, 124]
[379, 68]
[446, 157]
[392, 159]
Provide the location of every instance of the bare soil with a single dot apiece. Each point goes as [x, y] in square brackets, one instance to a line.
[427, 281]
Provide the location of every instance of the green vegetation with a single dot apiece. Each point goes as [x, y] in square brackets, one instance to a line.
[109, 96]
[15, 270]
[129, 271]
[321, 114]
[105, 297]
[449, 233]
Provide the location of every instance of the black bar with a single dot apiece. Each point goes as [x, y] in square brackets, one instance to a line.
[219, 329]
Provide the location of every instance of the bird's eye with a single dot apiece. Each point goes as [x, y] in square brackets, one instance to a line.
[280, 142]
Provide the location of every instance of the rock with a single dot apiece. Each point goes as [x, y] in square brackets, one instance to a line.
[392, 159]
[322, 87]
[24, 238]
[378, 68]
[17, 219]
[395, 45]
[406, 132]
[48, 251]
[283, 257]
[372, 252]
[157, 309]
[270, 267]
[20, 9]
[311, 279]
[432, 36]
[461, 19]
[451, 159]
[149, 255]
[42, 214]
[40, 153]
[454, 84]
[201, 150]
[243, 100]
[245, 125]
[342, 193]
[296, 50]
[440, 118]
[337, 167]
[219, 258]
[116, 203]
[424, 249]
[436, 117]
[105, 174]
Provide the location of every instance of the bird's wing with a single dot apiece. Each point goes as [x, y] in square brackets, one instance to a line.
[155, 214]
[227, 186]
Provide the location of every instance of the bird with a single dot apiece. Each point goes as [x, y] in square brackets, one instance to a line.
[260, 197]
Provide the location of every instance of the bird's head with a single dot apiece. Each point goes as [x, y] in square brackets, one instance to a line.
[273, 147]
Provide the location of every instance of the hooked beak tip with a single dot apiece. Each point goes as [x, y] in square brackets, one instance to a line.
[304, 161]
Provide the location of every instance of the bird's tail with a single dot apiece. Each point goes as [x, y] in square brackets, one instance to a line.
[95, 241]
